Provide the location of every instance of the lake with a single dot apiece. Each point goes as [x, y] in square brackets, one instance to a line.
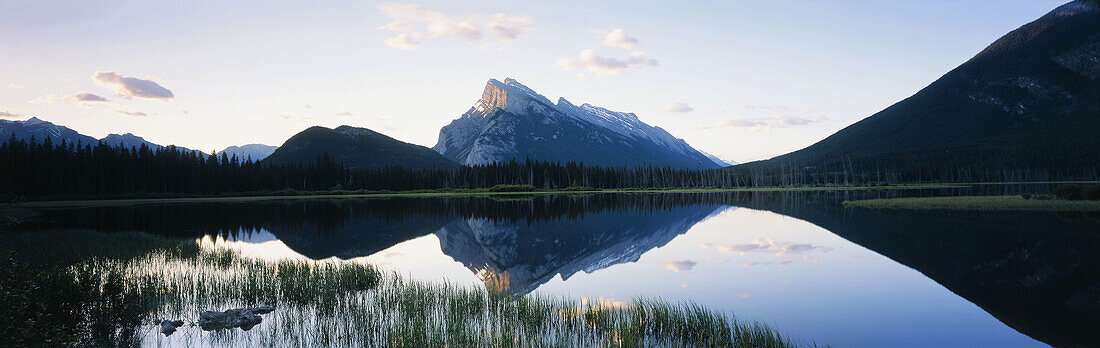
[797, 261]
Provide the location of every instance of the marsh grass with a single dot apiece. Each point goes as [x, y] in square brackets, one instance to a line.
[990, 203]
[343, 303]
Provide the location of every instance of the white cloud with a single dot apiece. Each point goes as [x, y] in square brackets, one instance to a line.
[86, 98]
[677, 107]
[403, 41]
[130, 113]
[132, 87]
[618, 38]
[5, 114]
[782, 116]
[679, 266]
[16, 86]
[414, 23]
[601, 66]
[345, 113]
[505, 28]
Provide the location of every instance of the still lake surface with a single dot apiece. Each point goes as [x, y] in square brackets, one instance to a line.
[799, 261]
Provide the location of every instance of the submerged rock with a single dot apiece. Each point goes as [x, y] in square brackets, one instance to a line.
[244, 318]
[168, 327]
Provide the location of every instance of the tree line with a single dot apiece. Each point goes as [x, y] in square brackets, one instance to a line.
[46, 169]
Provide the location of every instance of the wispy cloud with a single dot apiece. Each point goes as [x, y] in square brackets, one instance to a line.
[414, 23]
[682, 266]
[781, 116]
[677, 107]
[596, 63]
[5, 114]
[130, 113]
[86, 98]
[132, 87]
[601, 66]
[288, 117]
[16, 86]
[618, 38]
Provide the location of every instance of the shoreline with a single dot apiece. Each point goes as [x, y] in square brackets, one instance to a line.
[976, 203]
[73, 203]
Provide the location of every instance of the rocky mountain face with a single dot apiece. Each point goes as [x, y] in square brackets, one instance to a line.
[41, 130]
[512, 121]
[1027, 102]
[255, 152]
[358, 148]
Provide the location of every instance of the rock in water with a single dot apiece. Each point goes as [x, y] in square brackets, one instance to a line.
[244, 318]
[168, 327]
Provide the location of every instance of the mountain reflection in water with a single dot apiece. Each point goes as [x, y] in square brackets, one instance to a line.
[1036, 272]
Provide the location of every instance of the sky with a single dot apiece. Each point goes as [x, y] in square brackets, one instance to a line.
[744, 80]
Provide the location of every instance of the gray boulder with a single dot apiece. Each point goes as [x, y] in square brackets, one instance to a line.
[168, 327]
[244, 318]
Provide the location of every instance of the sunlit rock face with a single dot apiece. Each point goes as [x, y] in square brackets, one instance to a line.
[517, 257]
[512, 121]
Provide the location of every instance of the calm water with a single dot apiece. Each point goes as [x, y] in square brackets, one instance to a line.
[798, 261]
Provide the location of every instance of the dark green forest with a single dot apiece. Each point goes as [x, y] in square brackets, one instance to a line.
[68, 170]
[72, 170]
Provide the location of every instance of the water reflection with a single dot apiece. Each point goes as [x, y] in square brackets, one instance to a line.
[1038, 273]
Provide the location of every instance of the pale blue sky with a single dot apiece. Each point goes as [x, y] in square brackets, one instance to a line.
[762, 78]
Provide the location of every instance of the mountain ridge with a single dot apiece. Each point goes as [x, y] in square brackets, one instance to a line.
[1015, 106]
[512, 121]
[357, 148]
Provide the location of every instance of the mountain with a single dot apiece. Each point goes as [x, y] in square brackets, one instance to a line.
[41, 130]
[359, 148]
[717, 160]
[1029, 102]
[512, 121]
[128, 140]
[256, 152]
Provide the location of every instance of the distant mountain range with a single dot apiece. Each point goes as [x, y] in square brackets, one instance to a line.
[41, 130]
[255, 152]
[1028, 102]
[358, 148]
[512, 121]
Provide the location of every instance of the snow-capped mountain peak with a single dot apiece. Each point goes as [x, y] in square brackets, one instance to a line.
[512, 121]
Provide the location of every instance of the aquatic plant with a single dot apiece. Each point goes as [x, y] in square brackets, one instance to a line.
[347, 303]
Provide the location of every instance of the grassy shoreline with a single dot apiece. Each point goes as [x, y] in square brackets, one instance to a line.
[117, 296]
[455, 193]
[983, 203]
